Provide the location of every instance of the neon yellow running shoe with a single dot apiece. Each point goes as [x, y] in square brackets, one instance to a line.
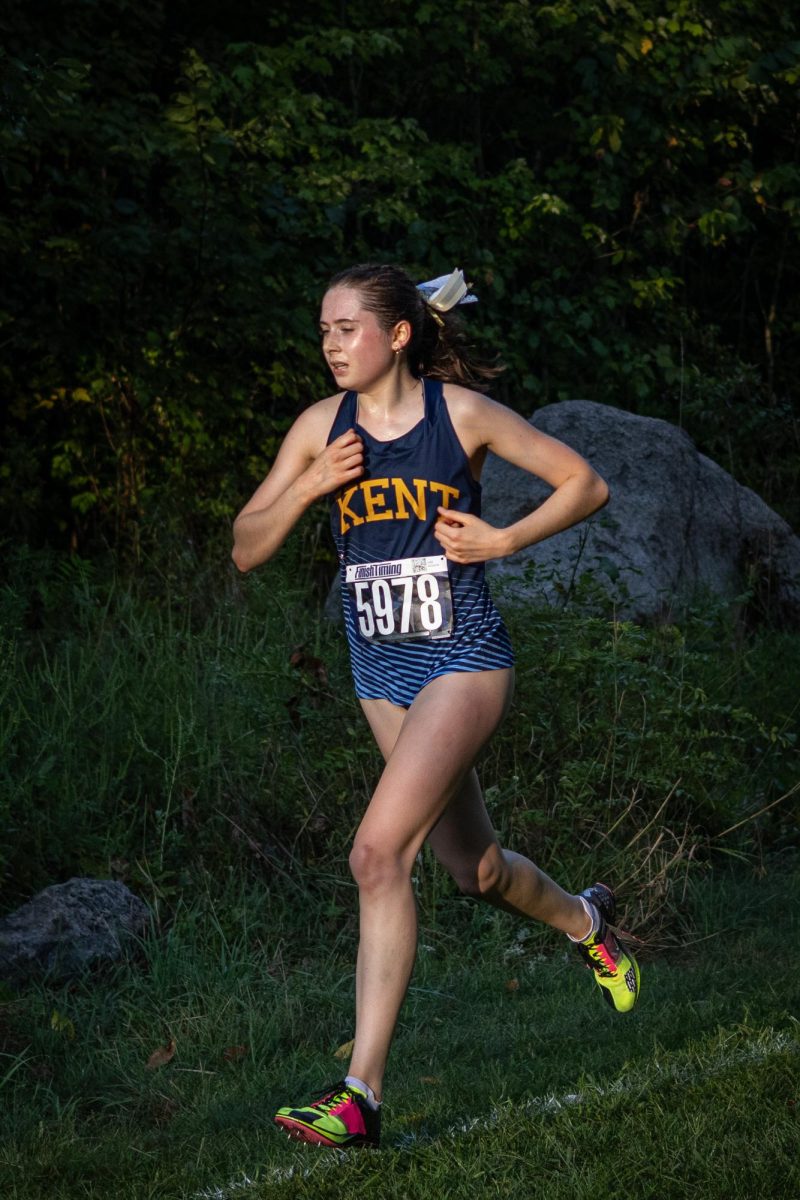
[615, 968]
[340, 1117]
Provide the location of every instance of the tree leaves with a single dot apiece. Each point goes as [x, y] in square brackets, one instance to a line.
[174, 208]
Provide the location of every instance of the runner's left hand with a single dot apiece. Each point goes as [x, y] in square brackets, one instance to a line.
[466, 538]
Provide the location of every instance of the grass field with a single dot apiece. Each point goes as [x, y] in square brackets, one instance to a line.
[200, 742]
[509, 1076]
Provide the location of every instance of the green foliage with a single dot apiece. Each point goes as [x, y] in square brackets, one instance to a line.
[191, 722]
[639, 747]
[620, 181]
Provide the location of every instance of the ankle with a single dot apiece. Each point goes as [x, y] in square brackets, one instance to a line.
[372, 1100]
[591, 915]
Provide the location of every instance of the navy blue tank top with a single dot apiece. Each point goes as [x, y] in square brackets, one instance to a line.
[389, 514]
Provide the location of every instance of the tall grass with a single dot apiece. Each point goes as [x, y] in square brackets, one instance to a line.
[195, 734]
[186, 724]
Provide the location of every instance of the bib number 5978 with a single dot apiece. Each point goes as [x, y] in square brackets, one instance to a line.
[405, 598]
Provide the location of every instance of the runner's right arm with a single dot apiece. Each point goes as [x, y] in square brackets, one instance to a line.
[305, 470]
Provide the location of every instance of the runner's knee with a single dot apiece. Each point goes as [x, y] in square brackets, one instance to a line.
[486, 876]
[374, 867]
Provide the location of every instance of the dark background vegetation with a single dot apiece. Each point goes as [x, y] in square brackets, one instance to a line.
[620, 181]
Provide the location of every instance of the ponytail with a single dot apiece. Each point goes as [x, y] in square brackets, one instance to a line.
[447, 354]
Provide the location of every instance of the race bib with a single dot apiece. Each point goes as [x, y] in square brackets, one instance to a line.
[403, 598]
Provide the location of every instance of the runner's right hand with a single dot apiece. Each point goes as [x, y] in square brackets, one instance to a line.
[339, 463]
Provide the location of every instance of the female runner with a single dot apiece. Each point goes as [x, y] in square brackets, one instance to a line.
[398, 450]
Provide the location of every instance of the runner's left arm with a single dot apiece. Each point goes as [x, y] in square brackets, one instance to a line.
[578, 489]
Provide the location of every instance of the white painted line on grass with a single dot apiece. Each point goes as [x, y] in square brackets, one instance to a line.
[767, 1043]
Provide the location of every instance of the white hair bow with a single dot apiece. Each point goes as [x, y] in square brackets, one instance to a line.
[447, 291]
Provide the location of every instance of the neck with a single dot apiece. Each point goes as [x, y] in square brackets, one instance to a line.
[392, 392]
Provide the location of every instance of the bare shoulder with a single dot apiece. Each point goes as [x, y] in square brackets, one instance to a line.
[466, 404]
[312, 426]
[321, 411]
[484, 424]
[470, 413]
[304, 442]
[477, 418]
[471, 406]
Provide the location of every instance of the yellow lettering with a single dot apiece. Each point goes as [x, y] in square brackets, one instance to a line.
[372, 502]
[343, 501]
[406, 500]
[402, 494]
[448, 493]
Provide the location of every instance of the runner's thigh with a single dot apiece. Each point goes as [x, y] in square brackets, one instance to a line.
[437, 742]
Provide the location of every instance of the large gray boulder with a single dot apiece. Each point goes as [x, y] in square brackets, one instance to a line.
[67, 928]
[677, 525]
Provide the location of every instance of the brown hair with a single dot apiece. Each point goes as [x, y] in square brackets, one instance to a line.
[438, 346]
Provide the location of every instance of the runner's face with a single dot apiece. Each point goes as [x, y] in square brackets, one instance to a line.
[356, 349]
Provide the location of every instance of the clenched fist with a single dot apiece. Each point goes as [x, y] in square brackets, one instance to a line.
[338, 464]
[467, 539]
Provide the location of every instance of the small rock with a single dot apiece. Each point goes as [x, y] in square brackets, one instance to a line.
[68, 928]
